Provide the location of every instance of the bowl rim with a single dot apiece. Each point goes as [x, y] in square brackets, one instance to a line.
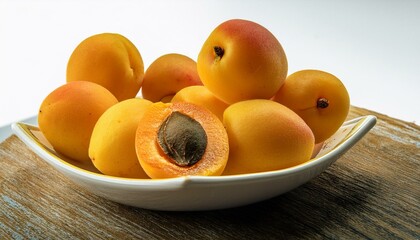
[24, 132]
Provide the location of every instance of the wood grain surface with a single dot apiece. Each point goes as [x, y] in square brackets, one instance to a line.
[372, 192]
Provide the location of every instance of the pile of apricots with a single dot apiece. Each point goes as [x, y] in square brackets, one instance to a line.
[233, 111]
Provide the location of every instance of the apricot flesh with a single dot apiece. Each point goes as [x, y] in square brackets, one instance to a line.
[111, 148]
[242, 60]
[201, 96]
[319, 98]
[110, 60]
[167, 75]
[155, 160]
[264, 136]
[68, 115]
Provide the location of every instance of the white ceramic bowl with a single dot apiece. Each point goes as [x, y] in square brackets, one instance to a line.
[197, 192]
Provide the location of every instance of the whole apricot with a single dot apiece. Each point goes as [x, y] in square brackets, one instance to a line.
[110, 60]
[181, 139]
[319, 98]
[167, 75]
[317, 149]
[68, 115]
[111, 146]
[264, 136]
[201, 96]
[242, 60]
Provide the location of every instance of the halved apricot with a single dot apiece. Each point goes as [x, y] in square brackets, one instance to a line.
[181, 139]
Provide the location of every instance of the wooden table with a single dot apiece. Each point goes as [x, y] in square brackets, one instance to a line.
[372, 192]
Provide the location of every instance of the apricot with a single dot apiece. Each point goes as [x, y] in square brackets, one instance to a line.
[264, 136]
[319, 98]
[167, 75]
[242, 60]
[111, 146]
[201, 96]
[317, 149]
[110, 60]
[181, 139]
[68, 115]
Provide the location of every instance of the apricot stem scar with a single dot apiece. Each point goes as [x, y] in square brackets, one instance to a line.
[182, 138]
[219, 52]
[322, 103]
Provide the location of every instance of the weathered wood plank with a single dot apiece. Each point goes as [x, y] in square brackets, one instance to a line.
[372, 192]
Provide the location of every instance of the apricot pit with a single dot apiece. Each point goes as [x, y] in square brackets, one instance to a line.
[182, 138]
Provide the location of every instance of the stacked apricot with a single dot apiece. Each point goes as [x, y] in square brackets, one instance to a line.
[233, 111]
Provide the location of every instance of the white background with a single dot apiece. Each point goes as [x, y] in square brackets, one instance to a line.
[372, 46]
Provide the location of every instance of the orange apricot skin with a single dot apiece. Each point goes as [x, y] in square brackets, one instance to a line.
[265, 136]
[301, 91]
[111, 147]
[68, 115]
[201, 96]
[158, 165]
[254, 64]
[167, 75]
[110, 60]
[317, 149]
